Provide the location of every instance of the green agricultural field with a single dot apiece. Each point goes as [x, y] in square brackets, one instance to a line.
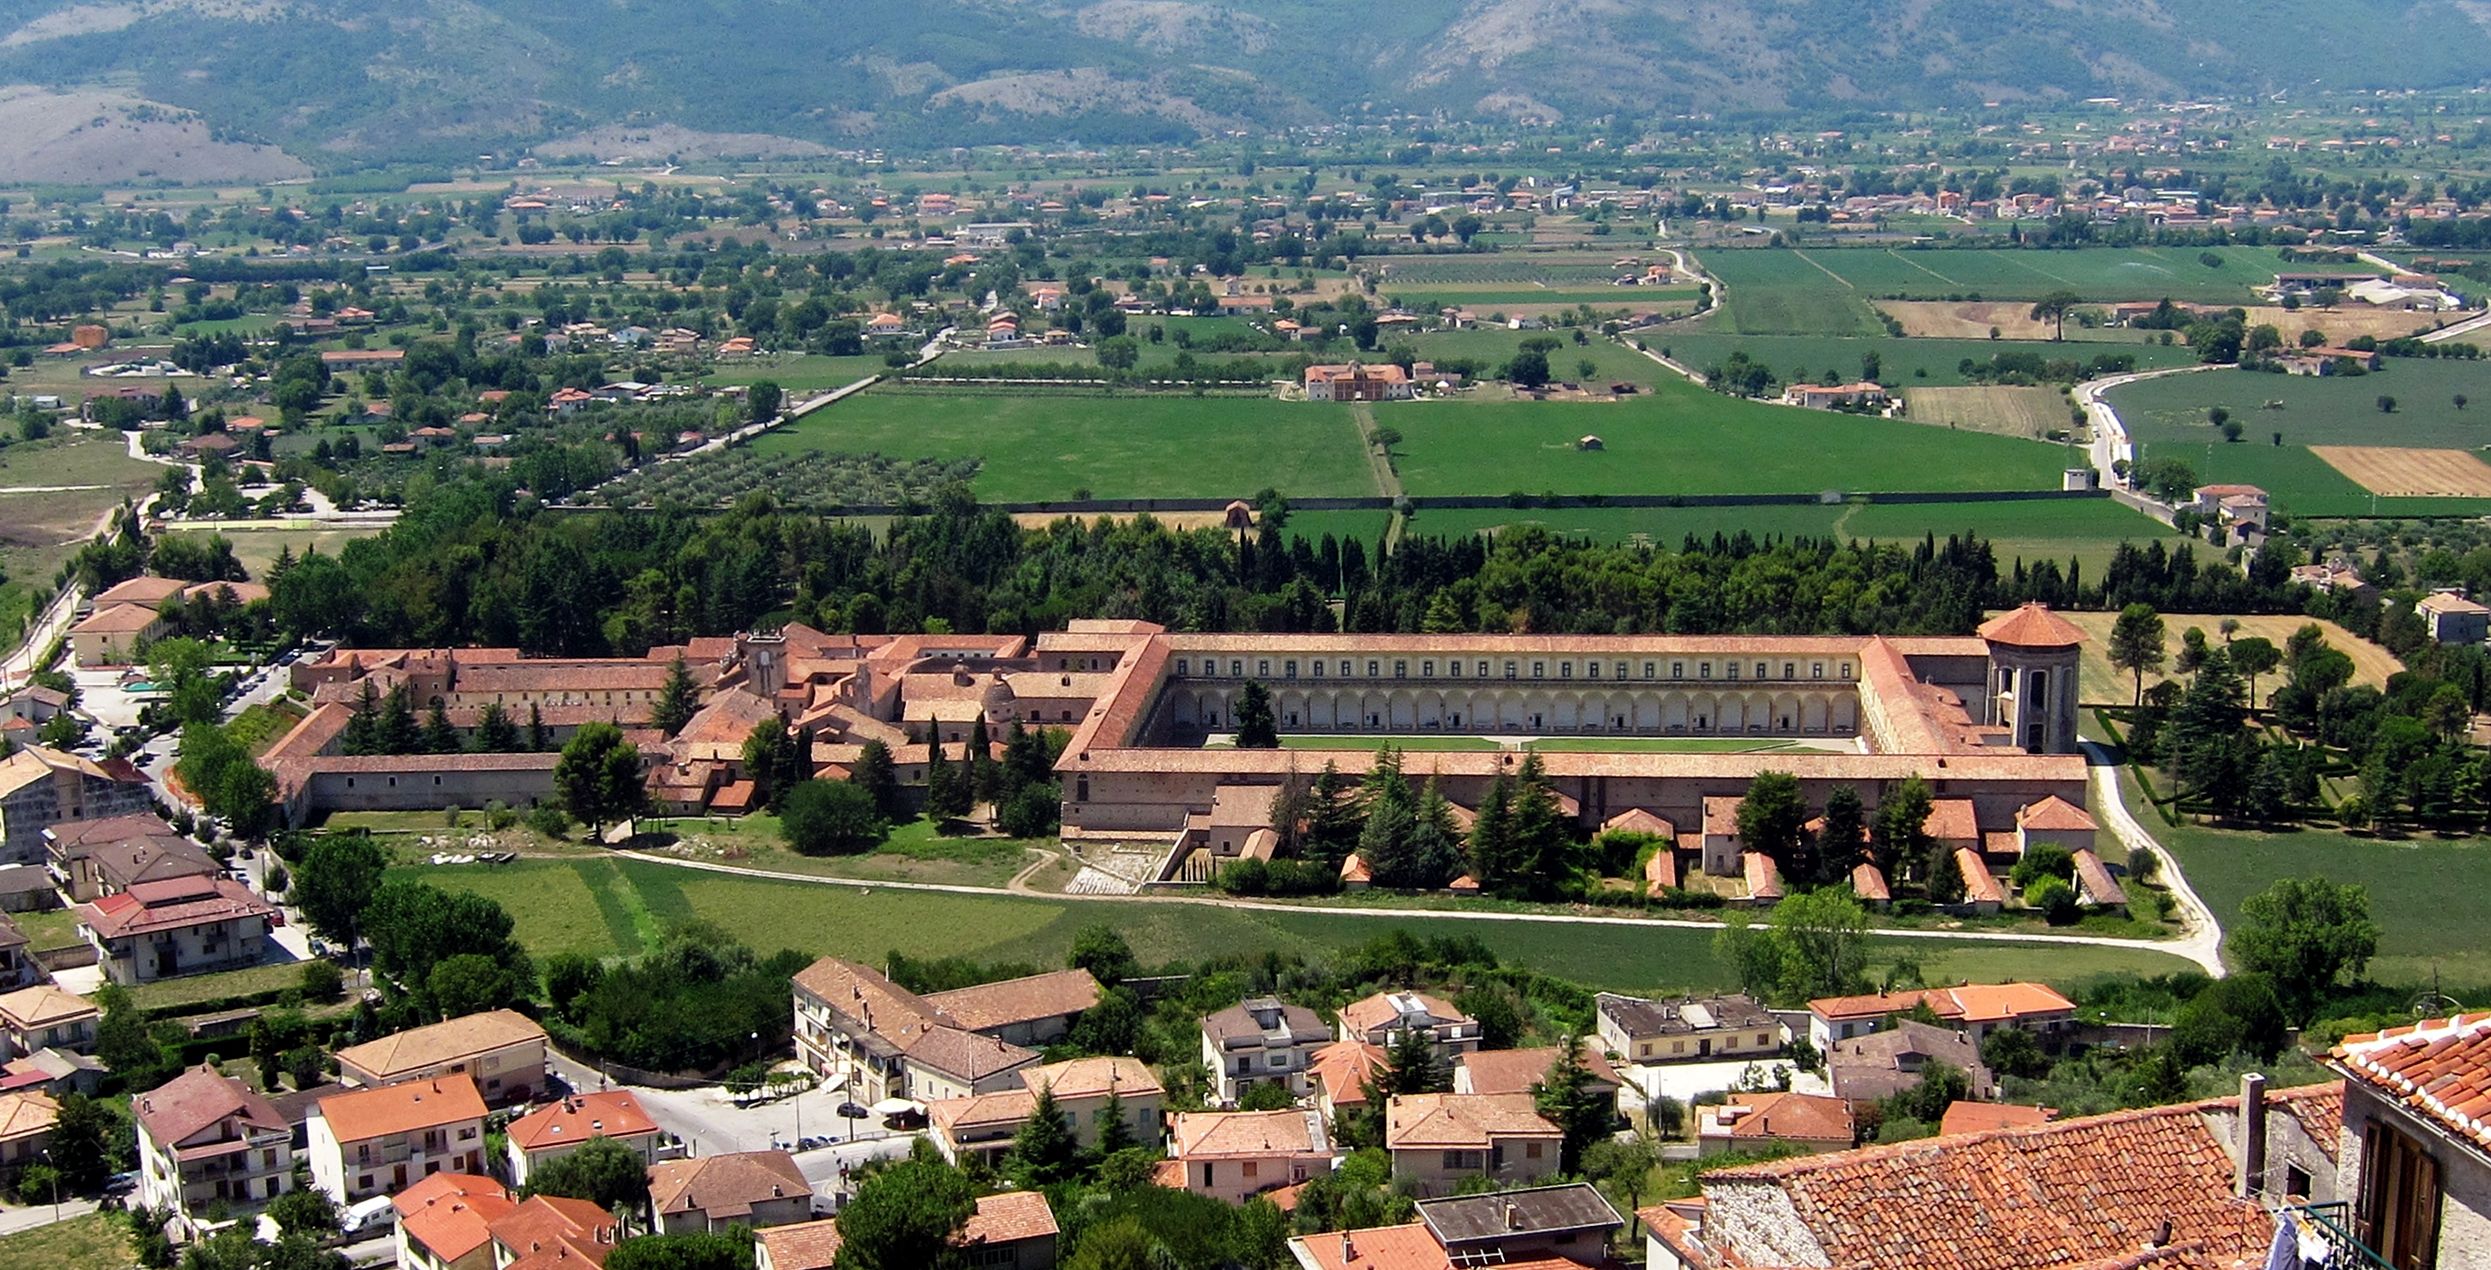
[1682, 439]
[2099, 274]
[1932, 363]
[1772, 292]
[2167, 417]
[1458, 271]
[2431, 896]
[1661, 526]
[802, 375]
[1365, 527]
[1043, 445]
[607, 907]
[1600, 297]
[1614, 362]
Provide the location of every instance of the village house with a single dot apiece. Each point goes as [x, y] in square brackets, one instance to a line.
[551, 1232]
[560, 1127]
[207, 1143]
[41, 787]
[1808, 1122]
[857, 1029]
[1233, 1156]
[1522, 1071]
[90, 859]
[1828, 396]
[2415, 1161]
[2452, 618]
[1440, 1141]
[1542, 1228]
[1011, 1231]
[181, 926]
[1258, 1040]
[1975, 1009]
[1340, 1073]
[2176, 1186]
[503, 1051]
[1686, 1029]
[1887, 1062]
[1089, 1094]
[1357, 382]
[1380, 1020]
[44, 1017]
[752, 1189]
[445, 1221]
[27, 1118]
[375, 1141]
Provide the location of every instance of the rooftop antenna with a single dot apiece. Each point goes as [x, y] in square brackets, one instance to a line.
[2434, 1003]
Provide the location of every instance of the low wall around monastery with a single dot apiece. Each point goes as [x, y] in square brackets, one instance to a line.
[420, 790]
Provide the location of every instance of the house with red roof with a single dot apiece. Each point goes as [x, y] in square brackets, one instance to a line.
[445, 1221]
[552, 1232]
[178, 926]
[372, 1142]
[208, 1143]
[1973, 1008]
[558, 1128]
[1012, 1231]
[2416, 1148]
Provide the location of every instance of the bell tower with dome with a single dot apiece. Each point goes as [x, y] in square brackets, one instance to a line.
[2033, 667]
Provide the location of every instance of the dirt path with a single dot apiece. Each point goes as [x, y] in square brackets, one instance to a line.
[2201, 936]
[1812, 263]
[1379, 465]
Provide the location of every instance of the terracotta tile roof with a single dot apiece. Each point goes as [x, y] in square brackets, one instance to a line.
[812, 1245]
[549, 1232]
[1978, 884]
[193, 1102]
[171, 904]
[1660, 869]
[2054, 815]
[1789, 1116]
[990, 1006]
[2032, 626]
[1008, 1106]
[1869, 882]
[117, 619]
[1638, 820]
[149, 591]
[451, 1214]
[1387, 1009]
[1953, 820]
[2438, 1069]
[1296, 1024]
[394, 1109]
[2090, 1192]
[1461, 1121]
[1977, 1002]
[26, 1114]
[1519, 1071]
[1094, 1077]
[1410, 1247]
[1343, 1069]
[1721, 817]
[44, 1006]
[2094, 882]
[1764, 877]
[1206, 1135]
[724, 1186]
[615, 1113]
[449, 1041]
[1977, 1117]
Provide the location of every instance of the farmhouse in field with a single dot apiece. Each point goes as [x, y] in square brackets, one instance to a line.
[1357, 382]
[1827, 397]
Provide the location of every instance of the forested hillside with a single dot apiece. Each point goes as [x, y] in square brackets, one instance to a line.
[442, 78]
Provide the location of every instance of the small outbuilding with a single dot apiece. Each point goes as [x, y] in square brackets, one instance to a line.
[1589, 443]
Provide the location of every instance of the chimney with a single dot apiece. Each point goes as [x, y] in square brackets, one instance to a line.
[1349, 1249]
[1513, 1215]
[2162, 1234]
[2251, 1177]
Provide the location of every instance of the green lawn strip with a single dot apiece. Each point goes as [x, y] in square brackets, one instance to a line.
[1652, 745]
[260, 726]
[1681, 439]
[52, 928]
[802, 376]
[1661, 526]
[97, 1241]
[1038, 446]
[2431, 896]
[867, 922]
[913, 853]
[190, 990]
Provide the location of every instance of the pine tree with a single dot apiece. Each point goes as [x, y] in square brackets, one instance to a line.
[1542, 838]
[1026, 759]
[398, 733]
[1435, 844]
[439, 736]
[1115, 1131]
[1257, 727]
[1838, 843]
[363, 728]
[1568, 1100]
[540, 737]
[677, 701]
[1333, 822]
[946, 791]
[1385, 844]
[1043, 1152]
[1945, 875]
[495, 733]
[1900, 831]
[1415, 1069]
[1492, 863]
[874, 773]
[984, 778]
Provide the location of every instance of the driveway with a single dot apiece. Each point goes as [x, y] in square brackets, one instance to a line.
[1683, 1081]
[710, 1123]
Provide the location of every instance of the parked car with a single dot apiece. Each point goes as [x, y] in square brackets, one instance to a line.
[851, 1111]
[371, 1212]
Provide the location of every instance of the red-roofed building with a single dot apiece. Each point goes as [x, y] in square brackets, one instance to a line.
[558, 1128]
[551, 1232]
[1975, 1008]
[178, 926]
[1536, 1228]
[1012, 1231]
[1809, 1122]
[1357, 382]
[2416, 1161]
[445, 1221]
[208, 1142]
[376, 1141]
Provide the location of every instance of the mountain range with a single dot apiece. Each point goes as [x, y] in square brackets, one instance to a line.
[339, 82]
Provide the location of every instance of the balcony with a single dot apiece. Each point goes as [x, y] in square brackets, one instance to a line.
[2333, 1225]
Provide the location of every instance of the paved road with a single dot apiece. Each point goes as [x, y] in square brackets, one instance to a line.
[13, 1220]
[2168, 947]
[2452, 331]
[2110, 436]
